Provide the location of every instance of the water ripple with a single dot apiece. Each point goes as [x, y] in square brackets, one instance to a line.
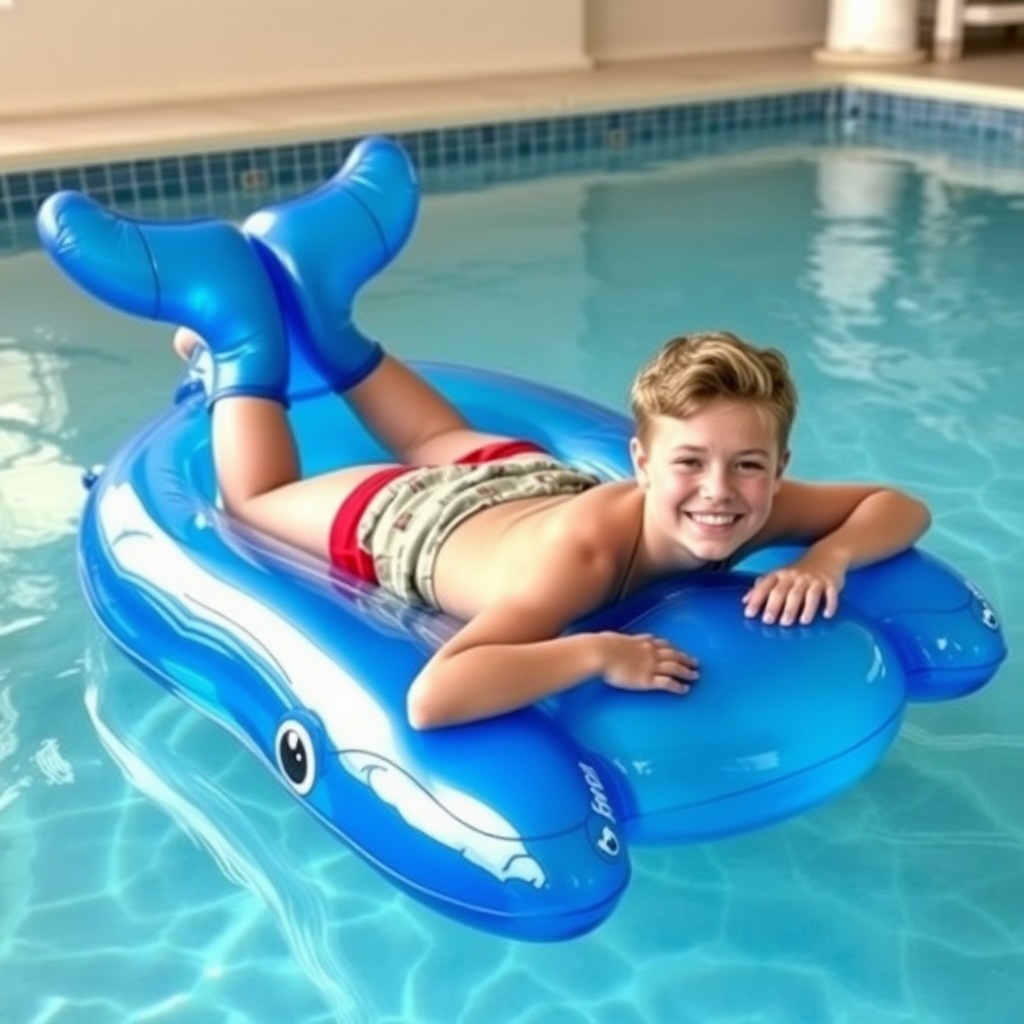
[247, 855]
[967, 741]
[55, 769]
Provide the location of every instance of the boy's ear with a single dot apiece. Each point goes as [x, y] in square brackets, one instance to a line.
[783, 464]
[639, 458]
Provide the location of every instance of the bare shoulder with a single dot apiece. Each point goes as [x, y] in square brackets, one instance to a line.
[597, 529]
[580, 544]
[570, 562]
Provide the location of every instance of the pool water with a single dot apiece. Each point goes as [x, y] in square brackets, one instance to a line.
[152, 870]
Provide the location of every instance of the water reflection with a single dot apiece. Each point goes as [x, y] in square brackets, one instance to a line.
[169, 754]
[40, 496]
[40, 492]
[898, 312]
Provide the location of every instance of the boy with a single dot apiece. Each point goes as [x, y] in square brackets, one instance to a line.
[498, 534]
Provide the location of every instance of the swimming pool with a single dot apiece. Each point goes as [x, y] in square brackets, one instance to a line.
[149, 870]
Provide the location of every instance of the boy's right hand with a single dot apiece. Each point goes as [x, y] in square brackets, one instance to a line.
[645, 662]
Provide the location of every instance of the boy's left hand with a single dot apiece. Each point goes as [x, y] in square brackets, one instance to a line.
[795, 593]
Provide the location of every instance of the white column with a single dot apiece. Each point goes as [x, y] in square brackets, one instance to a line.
[949, 29]
[871, 32]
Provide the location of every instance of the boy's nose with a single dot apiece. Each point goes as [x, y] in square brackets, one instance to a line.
[716, 484]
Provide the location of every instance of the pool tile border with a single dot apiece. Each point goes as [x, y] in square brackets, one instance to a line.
[515, 149]
[969, 121]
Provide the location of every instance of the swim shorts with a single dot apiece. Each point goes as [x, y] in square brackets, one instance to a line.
[390, 529]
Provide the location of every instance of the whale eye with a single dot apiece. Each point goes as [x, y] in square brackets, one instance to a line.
[608, 842]
[296, 755]
[989, 617]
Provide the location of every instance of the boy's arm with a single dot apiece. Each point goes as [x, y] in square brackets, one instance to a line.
[512, 654]
[846, 526]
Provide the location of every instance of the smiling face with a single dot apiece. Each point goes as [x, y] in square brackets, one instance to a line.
[709, 480]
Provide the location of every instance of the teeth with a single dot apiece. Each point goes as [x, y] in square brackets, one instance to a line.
[709, 519]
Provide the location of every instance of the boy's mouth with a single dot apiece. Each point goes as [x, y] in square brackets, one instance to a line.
[714, 520]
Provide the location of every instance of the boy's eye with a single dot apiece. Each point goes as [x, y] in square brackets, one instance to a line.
[752, 467]
[688, 463]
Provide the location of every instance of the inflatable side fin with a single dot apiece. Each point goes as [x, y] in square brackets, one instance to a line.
[949, 639]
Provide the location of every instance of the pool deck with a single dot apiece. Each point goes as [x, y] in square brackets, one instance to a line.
[58, 140]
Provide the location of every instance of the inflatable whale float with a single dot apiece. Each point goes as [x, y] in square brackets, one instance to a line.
[520, 825]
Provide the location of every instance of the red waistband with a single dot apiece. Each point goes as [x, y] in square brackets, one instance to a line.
[499, 450]
[343, 543]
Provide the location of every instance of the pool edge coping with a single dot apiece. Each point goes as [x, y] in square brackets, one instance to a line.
[513, 109]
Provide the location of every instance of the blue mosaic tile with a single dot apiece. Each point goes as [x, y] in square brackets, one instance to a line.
[70, 178]
[43, 183]
[22, 208]
[120, 175]
[475, 155]
[929, 117]
[18, 186]
[144, 172]
[307, 156]
[169, 171]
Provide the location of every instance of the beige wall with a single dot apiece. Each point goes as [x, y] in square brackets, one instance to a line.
[63, 54]
[627, 29]
[74, 54]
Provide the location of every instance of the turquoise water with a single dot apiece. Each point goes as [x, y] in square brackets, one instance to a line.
[151, 870]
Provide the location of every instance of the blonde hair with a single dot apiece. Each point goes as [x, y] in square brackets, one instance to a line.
[690, 371]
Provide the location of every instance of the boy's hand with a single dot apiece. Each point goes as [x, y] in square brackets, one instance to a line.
[795, 593]
[645, 662]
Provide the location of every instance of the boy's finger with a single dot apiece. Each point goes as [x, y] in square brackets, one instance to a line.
[812, 600]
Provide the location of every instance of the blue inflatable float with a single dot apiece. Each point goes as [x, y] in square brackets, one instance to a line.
[519, 825]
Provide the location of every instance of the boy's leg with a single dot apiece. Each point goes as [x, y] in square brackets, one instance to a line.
[411, 418]
[254, 453]
[253, 450]
[333, 241]
[401, 409]
[259, 477]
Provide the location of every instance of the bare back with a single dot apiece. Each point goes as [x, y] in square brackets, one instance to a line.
[485, 556]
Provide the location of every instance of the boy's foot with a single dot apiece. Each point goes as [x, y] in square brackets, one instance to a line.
[185, 343]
